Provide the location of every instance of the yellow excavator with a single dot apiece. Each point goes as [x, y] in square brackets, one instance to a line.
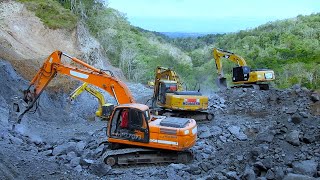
[242, 75]
[153, 139]
[104, 109]
[170, 99]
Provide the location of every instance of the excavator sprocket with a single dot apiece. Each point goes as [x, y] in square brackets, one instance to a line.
[133, 156]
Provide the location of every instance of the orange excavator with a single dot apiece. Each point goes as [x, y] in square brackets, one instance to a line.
[152, 139]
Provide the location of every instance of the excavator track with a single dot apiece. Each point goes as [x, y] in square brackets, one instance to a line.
[253, 86]
[135, 156]
[199, 116]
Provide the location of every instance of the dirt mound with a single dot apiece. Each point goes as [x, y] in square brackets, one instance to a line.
[25, 36]
[26, 42]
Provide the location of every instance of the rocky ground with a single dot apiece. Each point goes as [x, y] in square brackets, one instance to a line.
[271, 134]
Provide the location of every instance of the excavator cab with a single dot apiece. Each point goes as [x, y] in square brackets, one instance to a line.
[166, 87]
[130, 124]
[241, 73]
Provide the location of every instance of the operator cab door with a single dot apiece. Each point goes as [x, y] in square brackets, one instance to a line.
[162, 93]
[164, 89]
[134, 127]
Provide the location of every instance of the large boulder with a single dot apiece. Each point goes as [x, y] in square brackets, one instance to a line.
[307, 167]
[235, 130]
[64, 148]
[293, 138]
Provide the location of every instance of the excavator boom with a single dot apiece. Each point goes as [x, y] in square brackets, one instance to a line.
[89, 74]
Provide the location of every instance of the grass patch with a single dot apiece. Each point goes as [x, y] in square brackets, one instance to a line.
[52, 14]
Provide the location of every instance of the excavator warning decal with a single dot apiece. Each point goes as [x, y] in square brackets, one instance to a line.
[79, 75]
[191, 101]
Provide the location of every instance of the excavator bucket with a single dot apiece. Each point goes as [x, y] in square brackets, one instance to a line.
[222, 83]
[17, 107]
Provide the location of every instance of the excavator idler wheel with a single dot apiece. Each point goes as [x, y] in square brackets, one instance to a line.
[111, 161]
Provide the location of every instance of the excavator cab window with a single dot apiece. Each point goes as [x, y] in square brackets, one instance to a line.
[130, 124]
[241, 73]
[166, 88]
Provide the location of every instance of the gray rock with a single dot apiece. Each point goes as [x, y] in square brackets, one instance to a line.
[270, 174]
[47, 152]
[75, 162]
[268, 162]
[194, 169]
[215, 130]
[293, 138]
[80, 146]
[15, 140]
[304, 114]
[64, 148]
[266, 136]
[171, 174]
[261, 178]
[315, 97]
[292, 109]
[99, 150]
[204, 132]
[259, 165]
[78, 168]
[205, 166]
[296, 87]
[309, 138]
[178, 166]
[296, 118]
[292, 176]
[4, 111]
[223, 139]
[86, 162]
[249, 173]
[235, 130]
[232, 175]
[308, 167]
[278, 173]
[100, 169]
[71, 155]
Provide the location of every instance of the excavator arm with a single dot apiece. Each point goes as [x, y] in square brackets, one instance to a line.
[53, 65]
[92, 91]
[219, 53]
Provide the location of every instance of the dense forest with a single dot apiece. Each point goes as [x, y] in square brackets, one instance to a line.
[289, 47]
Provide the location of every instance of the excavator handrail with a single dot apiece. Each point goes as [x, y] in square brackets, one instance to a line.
[53, 65]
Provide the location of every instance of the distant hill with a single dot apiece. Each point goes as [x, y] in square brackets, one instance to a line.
[183, 34]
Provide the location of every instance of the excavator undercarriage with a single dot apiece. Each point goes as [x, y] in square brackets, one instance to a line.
[133, 156]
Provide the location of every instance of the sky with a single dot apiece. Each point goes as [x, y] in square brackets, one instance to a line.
[210, 16]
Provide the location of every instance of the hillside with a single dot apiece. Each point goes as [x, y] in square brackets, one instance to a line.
[286, 46]
[26, 41]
